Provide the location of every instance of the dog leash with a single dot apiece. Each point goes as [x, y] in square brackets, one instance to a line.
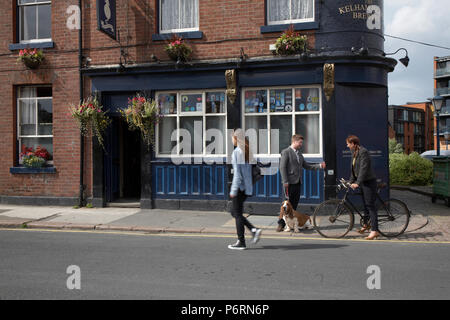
[286, 193]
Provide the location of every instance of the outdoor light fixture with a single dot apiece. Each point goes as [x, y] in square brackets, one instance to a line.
[437, 104]
[242, 58]
[363, 50]
[404, 61]
[154, 58]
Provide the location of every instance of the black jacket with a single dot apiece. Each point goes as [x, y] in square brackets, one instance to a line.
[362, 171]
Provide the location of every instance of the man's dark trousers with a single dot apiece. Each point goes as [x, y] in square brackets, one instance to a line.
[294, 194]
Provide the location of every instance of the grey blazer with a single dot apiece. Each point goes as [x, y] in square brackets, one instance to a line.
[291, 168]
[362, 171]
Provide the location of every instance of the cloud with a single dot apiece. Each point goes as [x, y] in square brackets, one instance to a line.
[420, 20]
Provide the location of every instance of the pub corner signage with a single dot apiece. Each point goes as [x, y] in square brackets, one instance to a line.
[106, 17]
[367, 10]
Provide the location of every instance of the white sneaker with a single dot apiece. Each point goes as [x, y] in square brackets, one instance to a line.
[237, 246]
[256, 235]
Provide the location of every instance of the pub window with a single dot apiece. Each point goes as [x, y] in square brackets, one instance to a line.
[34, 20]
[178, 16]
[289, 11]
[35, 118]
[202, 114]
[275, 114]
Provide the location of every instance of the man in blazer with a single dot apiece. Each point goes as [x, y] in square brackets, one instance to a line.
[291, 169]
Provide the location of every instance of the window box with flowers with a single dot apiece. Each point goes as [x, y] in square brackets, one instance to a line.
[290, 42]
[178, 50]
[34, 159]
[31, 58]
[142, 114]
[91, 118]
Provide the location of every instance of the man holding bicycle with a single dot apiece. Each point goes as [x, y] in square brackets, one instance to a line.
[362, 176]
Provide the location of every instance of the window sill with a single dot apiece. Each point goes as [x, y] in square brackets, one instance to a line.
[283, 27]
[184, 35]
[20, 170]
[37, 45]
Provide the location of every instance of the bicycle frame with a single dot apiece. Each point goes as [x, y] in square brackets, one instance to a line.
[353, 208]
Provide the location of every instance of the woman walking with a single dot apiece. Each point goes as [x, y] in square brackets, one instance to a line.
[241, 188]
[362, 176]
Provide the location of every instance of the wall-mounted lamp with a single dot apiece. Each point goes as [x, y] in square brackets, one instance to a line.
[122, 67]
[154, 58]
[86, 61]
[363, 50]
[242, 58]
[404, 61]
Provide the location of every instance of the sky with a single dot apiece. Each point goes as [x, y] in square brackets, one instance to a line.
[420, 20]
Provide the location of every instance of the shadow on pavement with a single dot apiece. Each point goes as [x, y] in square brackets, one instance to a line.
[303, 246]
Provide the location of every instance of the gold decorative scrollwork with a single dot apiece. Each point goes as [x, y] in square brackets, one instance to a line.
[230, 77]
[328, 80]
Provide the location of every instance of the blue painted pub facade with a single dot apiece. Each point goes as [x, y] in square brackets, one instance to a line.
[338, 88]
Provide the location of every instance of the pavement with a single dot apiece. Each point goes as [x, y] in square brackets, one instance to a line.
[430, 222]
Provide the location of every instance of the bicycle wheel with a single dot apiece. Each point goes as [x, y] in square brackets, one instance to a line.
[333, 219]
[393, 218]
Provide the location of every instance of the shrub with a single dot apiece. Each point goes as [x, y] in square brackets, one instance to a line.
[410, 170]
[395, 147]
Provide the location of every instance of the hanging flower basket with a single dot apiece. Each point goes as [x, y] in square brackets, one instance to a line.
[142, 114]
[91, 117]
[178, 50]
[290, 42]
[31, 58]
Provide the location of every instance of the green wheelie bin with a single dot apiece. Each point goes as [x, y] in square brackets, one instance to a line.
[441, 179]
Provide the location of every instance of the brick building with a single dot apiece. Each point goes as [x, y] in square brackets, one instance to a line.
[339, 87]
[412, 126]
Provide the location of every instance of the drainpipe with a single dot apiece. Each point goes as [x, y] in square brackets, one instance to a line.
[80, 61]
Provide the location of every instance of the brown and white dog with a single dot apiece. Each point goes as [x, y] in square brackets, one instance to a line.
[293, 219]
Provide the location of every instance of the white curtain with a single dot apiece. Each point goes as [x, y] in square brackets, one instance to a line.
[27, 110]
[302, 9]
[282, 10]
[179, 14]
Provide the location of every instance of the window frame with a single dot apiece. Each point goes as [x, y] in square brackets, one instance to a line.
[290, 21]
[20, 17]
[186, 114]
[294, 113]
[180, 30]
[36, 136]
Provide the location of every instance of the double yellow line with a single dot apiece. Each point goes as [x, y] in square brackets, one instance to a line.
[197, 235]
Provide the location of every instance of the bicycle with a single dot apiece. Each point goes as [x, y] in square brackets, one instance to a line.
[334, 218]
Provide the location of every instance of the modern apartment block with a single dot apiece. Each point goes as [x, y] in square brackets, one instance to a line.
[442, 88]
[413, 126]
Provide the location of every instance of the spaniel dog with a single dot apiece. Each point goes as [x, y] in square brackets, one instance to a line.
[291, 220]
